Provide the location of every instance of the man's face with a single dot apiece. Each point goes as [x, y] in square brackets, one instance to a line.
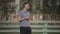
[27, 6]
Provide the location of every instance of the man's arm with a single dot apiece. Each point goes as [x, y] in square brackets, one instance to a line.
[20, 18]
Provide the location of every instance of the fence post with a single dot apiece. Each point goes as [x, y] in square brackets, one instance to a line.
[45, 28]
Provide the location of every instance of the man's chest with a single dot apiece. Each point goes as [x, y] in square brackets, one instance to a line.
[25, 14]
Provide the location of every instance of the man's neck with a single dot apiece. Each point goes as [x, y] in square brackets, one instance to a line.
[25, 9]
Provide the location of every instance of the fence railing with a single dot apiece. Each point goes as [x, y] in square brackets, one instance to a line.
[13, 26]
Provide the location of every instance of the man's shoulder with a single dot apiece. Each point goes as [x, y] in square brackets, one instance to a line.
[21, 11]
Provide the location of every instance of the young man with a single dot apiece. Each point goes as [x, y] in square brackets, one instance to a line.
[23, 17]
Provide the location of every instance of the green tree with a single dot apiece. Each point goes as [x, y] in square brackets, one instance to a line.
[6, 8]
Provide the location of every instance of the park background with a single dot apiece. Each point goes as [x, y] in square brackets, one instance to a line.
[40, 11]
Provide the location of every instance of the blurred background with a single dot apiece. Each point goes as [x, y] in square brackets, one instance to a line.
[45, 16]
[40, 9]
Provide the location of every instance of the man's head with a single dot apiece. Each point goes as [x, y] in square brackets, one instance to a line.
[26, 5]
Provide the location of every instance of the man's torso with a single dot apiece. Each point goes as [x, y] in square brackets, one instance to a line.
[24, 14]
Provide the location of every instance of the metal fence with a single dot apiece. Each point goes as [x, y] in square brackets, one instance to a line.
[37, 26]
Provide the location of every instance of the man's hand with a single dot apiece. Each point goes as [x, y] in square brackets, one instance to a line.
[27, 18]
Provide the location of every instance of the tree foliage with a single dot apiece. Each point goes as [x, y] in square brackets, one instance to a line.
[6, 8]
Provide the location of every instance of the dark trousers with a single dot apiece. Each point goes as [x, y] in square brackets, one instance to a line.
[25, 30]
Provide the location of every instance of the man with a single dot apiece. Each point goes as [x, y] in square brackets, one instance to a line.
[23, 17]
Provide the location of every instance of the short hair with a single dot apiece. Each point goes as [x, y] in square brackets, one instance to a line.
[26, 3]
